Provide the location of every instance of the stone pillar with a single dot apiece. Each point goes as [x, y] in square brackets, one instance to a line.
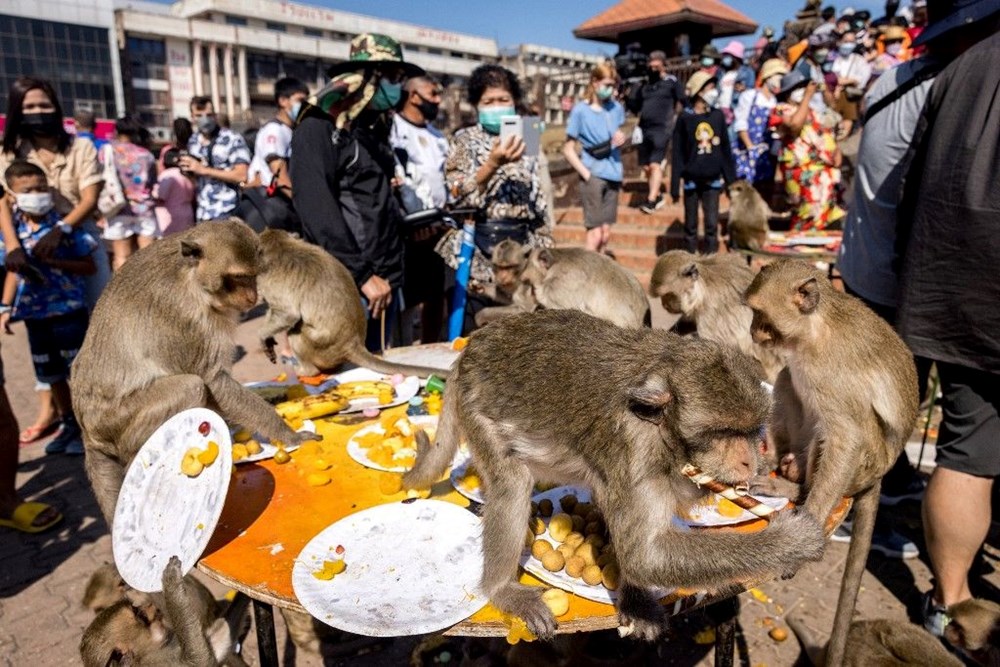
[213, 76]
[241, 70]
[227, 75]
[197, 67]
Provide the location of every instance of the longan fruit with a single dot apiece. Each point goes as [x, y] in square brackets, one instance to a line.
[574, 566]
[536, 525]
[239, 452]
[596, 540]
[583, 509]
[605, 559]
[565, 550]
[594, 515]
[534, 508]
[611, 577]
[529, 538]
[545, 507]
[253, 447]
[574, 540]
[539, 548]
[778, 634]
[560, 526]
[588, 553]
[280, 456]
[578, 523]
[568, 503]
[557, 601]
[553, 561]
[592, 575]
[593, 528]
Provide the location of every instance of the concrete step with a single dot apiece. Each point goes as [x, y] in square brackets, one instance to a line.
[627, 216]
[630, 237]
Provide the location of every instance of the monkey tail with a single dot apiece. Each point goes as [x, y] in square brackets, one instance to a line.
[433, 459]
[865, 507]
[362, 357]
[813, 651]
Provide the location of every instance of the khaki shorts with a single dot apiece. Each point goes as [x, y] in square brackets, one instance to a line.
[599, 199]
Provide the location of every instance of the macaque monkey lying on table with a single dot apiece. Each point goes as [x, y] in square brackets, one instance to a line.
[622, 419]
[844, 406]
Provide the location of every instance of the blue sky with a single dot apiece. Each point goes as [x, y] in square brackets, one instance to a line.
[547, 22]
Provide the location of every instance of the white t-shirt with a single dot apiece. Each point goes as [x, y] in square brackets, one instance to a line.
[273, 140]
[422, 165]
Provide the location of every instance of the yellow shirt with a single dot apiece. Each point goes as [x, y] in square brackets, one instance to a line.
[69, 174]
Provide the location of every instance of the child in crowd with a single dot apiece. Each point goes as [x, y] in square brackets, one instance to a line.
[174, 193]
[54, 309]
[702, 157]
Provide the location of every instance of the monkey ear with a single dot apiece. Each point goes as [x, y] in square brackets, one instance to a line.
[191, 251]
[691, 272]
[545, 258]
[807, 296]
[649, 398]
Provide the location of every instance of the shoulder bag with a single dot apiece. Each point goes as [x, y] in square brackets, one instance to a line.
[112, 199]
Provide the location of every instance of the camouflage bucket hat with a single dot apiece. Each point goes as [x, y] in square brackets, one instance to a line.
[369, 50]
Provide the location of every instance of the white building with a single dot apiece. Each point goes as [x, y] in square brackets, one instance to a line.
[556, 76]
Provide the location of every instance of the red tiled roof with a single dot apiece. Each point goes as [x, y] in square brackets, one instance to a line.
[629, 15]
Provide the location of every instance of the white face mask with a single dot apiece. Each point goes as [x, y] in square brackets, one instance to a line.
[773, 83]
[710, 96]
[797, 95]
[34, 203]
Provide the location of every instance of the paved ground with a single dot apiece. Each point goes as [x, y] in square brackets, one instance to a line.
[42, 576]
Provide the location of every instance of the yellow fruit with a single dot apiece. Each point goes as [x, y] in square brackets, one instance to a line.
[242, 435]
[778, 634]
[578, 523]
[539, 548]
[592, 575]
[553, 561]
[240, 452]
[557, 601]
[317, 479]
[321, 464]
[611, 577]
[311, 407]
[537, 525]
[207, 457]
[330, 569]
[471, 482]
[587, 552]
[459, 343]
[281, 456]
[390, 484]
[253, 447]
[560, 527]
[596, 540]
[565, 550]
[574, 540]
[575, 566]
[728, 508]
[190, 465]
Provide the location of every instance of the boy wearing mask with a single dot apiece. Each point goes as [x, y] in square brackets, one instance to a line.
[54, 309]
[218, 158]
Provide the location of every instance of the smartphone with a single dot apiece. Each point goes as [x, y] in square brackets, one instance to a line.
[528, 128]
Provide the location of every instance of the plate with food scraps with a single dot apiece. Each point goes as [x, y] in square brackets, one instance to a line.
[714, 510]
[399, 569]
[390, 444]
[248, 448]
[367, 384]
[598, 577]
[466, 480]
[172, 497]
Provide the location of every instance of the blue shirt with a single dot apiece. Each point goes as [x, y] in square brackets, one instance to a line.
[61, 292]
[591, 127]
[215, 198]
[89, 136]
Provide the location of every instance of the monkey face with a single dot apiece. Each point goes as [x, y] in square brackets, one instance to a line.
[122, 632]
[509, 258]
[784, 298]
[225, 257]
[676, 280]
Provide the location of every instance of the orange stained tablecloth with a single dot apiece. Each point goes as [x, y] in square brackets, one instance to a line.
[271, 513]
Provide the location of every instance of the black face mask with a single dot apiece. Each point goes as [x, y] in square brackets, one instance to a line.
[428, 109]
[655, 75]
[45, 124]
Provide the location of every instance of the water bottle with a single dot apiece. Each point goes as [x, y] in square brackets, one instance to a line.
[457, 318]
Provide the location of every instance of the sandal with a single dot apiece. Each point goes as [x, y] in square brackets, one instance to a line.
[23, 518]
[36, 433]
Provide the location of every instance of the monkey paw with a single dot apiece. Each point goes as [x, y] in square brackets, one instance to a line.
[639, 615]
[526, 603]
[801, 538]
[172, 575]
[791, 469]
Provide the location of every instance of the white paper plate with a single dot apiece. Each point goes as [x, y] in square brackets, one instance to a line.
[708, 515]
[406, 390]
[461, 466]
[597, 593]
[360, 454]
[267, 449]
[413, 567]
[162, 512]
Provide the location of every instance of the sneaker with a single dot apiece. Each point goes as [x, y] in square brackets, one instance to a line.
[894, 545]
[650, 206]
[843, 532]
[68, 434]
[935, 615]
[914, 490]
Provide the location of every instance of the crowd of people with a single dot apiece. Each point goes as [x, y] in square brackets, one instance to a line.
[344, 167]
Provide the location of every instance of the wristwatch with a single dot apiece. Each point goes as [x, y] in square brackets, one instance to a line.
[64, 227]
[4, 308]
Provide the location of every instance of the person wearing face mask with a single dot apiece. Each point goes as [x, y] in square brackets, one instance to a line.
[266, 200]
[342, 169]
[810, 159]
[703, 159]
[34, 132]
[595, 126]
[656, 103]
[892, 44]
[54, 310]
[421, 150]
[218, 158]
[853, 74]
[755, 160]
[736, 77]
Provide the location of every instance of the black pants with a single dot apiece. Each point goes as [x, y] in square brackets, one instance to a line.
[708, 197]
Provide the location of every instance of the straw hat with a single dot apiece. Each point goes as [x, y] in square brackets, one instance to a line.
[894, 33]
[772, 67]
[696, 82]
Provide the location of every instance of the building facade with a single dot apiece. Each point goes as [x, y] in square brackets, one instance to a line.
[554, 79]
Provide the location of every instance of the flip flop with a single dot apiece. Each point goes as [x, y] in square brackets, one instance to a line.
[36, 433]
[24, 516]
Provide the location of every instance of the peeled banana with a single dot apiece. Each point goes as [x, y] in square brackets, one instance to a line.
[379, 389]
[310, 407]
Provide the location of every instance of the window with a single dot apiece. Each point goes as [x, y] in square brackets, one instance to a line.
[312, 32]
[147, 58]
[277, 27]
[235, 20]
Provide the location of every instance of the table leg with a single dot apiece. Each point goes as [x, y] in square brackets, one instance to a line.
[726, 612]
[267, 643]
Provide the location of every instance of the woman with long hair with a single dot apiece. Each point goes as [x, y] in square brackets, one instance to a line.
[595, 127]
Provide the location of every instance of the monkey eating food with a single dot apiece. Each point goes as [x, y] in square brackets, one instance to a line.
[844, 406]
[569, 278]
[748, 215]
[312, 296]
[160, 341]
[707, 290]
[622, 420]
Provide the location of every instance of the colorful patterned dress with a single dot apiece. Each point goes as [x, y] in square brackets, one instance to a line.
[811, 179]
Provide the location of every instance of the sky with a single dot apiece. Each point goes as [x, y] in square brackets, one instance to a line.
[547, 22]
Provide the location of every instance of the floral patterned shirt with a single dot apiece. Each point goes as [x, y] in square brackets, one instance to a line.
[134, 165]
[215, 198]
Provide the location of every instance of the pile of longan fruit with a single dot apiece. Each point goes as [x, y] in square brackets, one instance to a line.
[584, 550]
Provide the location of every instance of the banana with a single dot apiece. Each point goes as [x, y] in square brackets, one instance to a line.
[365, 389]
[310, 407]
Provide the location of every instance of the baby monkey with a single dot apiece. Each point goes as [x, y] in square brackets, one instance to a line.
[622, 420]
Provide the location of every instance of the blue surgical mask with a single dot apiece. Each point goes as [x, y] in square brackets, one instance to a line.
[827, 66]
[489, 117]
[386, 96]
[707, 62]
[846, 49]
[293, 113]
[604, 92]
[727, 61]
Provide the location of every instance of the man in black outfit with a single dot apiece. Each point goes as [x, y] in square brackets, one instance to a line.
[656, 102]
[342, 173]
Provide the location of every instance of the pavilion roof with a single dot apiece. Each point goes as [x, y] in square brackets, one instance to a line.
[633, 15]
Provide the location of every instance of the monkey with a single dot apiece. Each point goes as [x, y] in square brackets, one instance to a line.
[844, 405]
[974, 629]
[748, 216]
[622, 420]
[135, 633]
[707, 290]
[578, 279]
[509, 260]
[312, 296]
[160, 341]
